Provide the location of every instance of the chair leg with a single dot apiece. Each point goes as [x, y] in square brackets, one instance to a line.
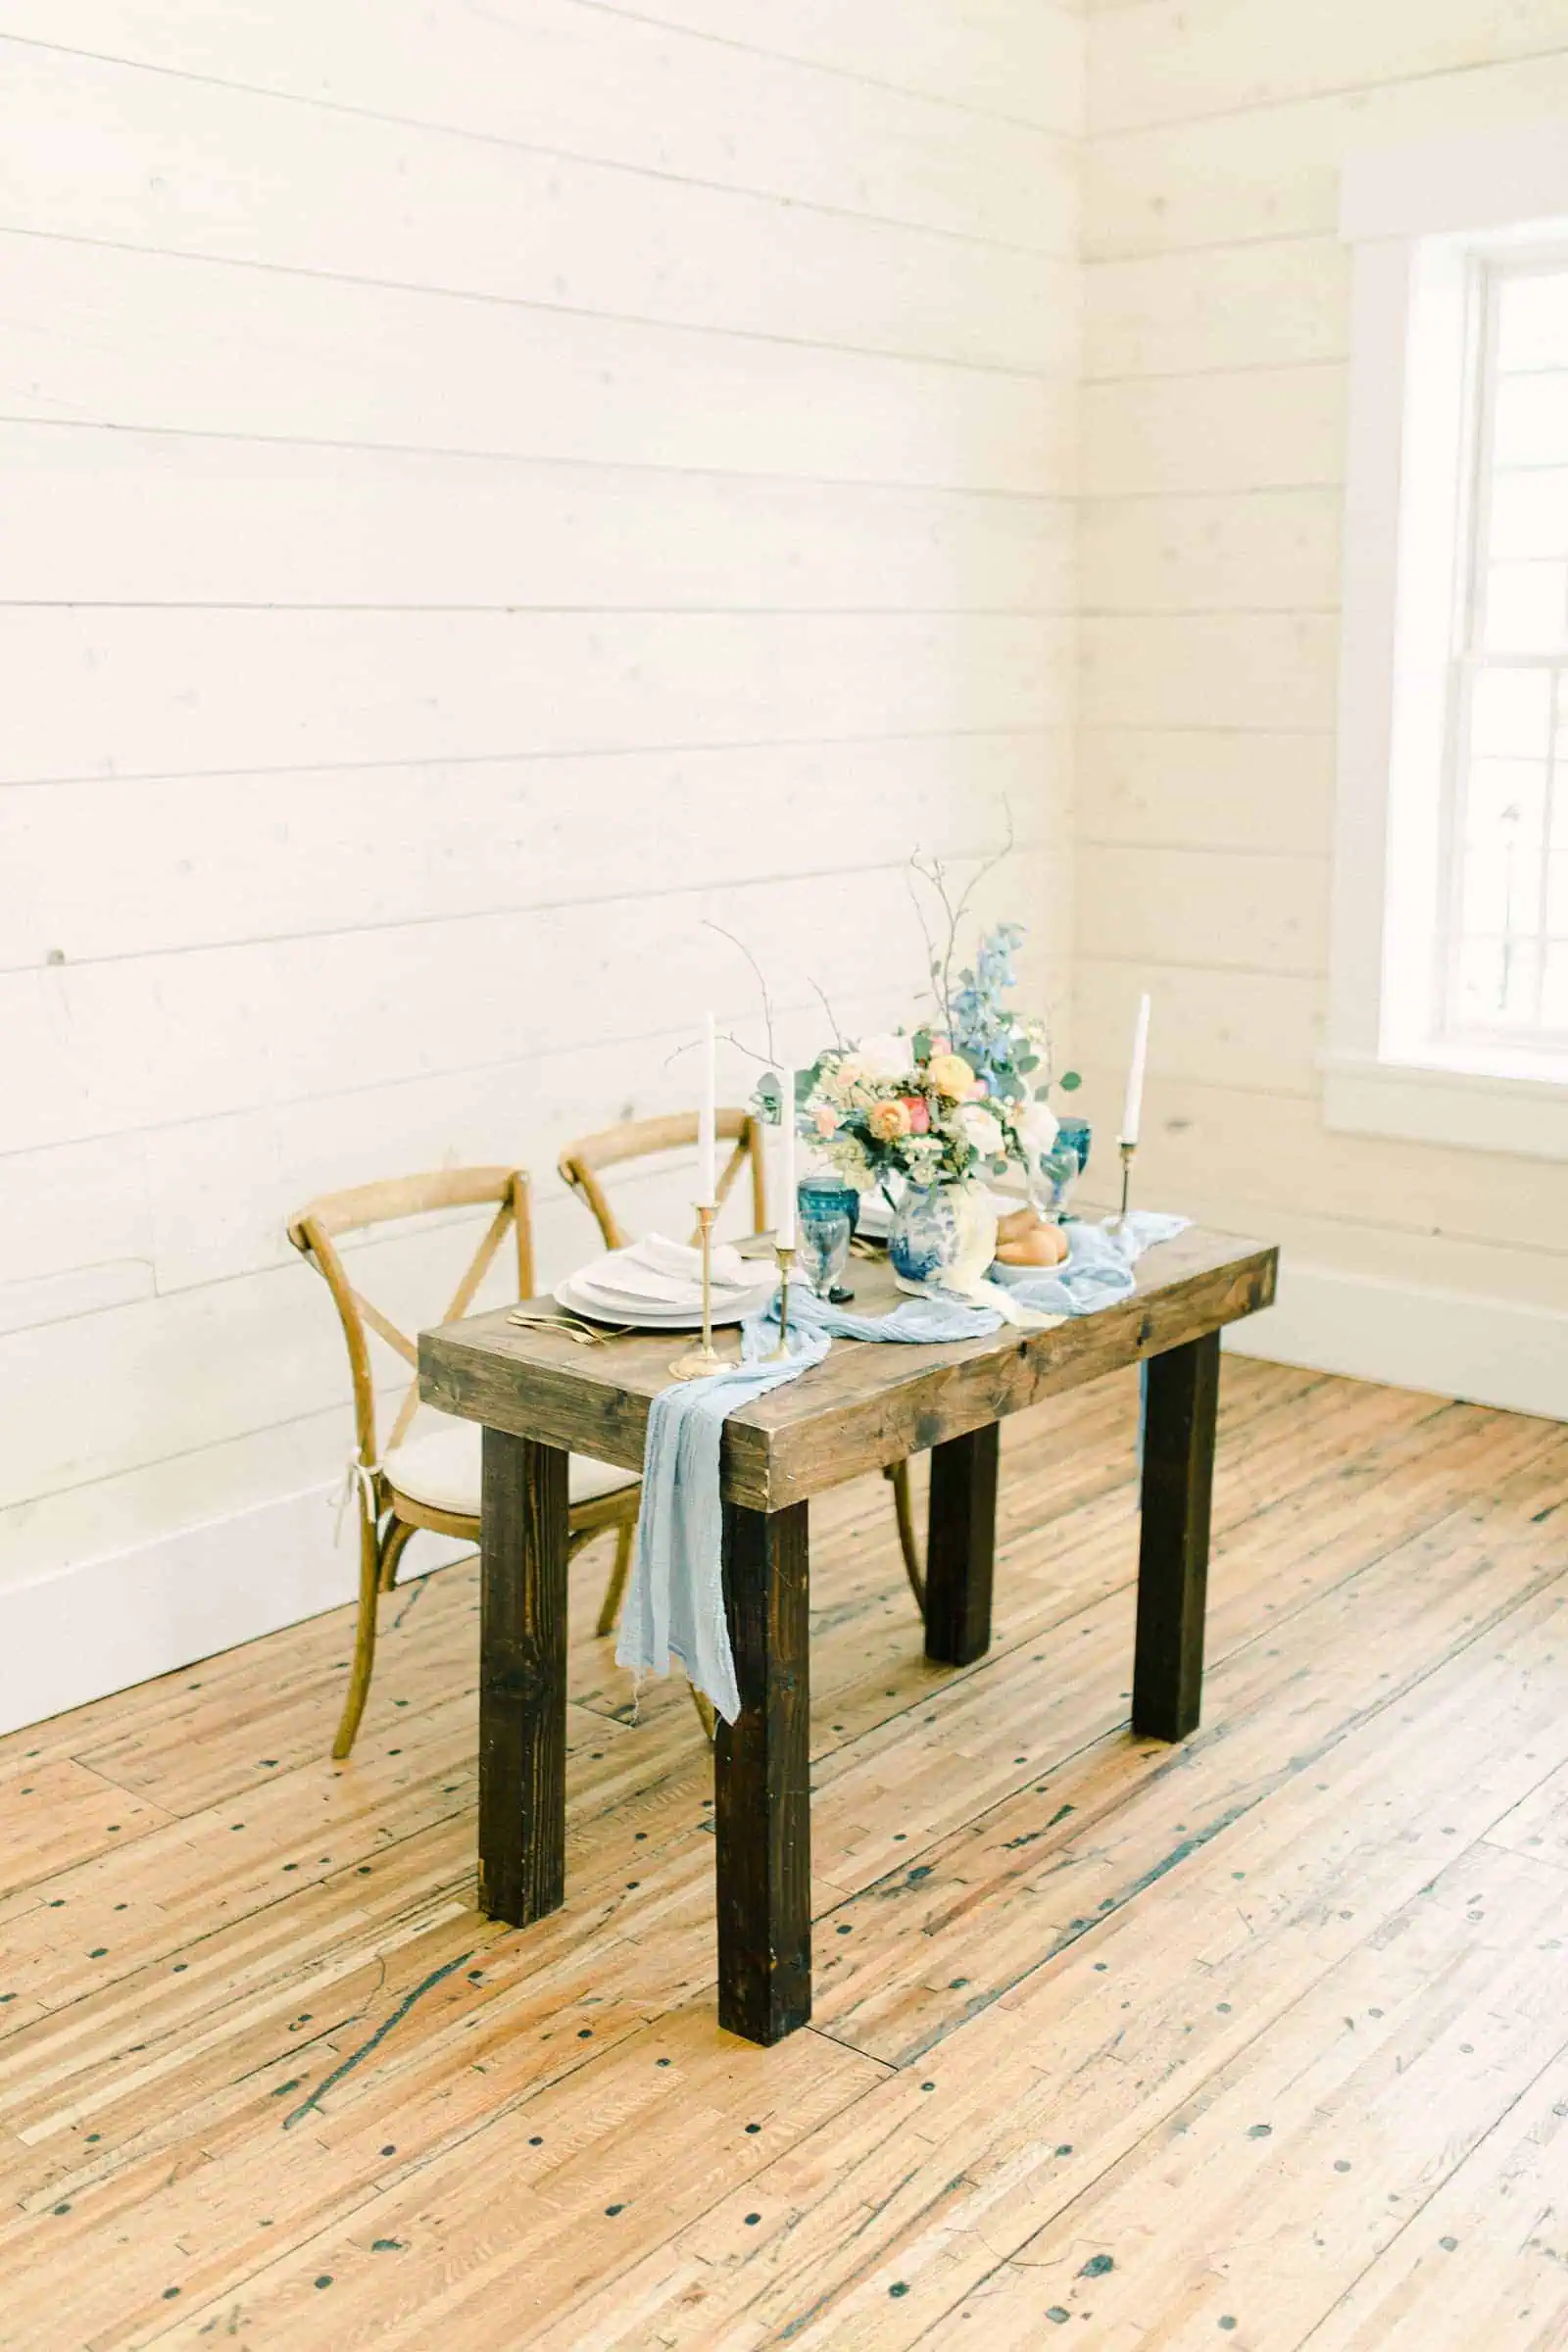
[897, 1475]
[615, 1590]
[363, 1638]
[393, 1542]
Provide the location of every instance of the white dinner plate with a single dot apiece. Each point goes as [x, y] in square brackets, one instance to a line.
[581, 1298]
[631, 1285]
[601, 1279]
[676, 1300]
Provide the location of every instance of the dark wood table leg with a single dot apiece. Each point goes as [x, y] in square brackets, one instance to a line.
[522, 1679]
[762, 1780]
[1181, 1400]
[960, 1547]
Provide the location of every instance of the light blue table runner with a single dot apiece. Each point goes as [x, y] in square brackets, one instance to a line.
[674, 1603]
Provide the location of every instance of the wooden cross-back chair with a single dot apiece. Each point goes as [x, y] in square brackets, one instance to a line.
[645, 1139]
[430, 1478]
[580, 1164]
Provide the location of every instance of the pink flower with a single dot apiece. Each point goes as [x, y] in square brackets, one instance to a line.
[826, 1121]
[919, 1110]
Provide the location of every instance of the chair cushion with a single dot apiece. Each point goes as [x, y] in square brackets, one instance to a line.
[438, 1464]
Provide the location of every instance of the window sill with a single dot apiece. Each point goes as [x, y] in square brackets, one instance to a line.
[1426, 1103]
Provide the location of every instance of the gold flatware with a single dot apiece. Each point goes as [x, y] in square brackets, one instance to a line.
[572, 1327]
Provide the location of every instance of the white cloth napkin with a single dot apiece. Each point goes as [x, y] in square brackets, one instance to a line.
[669, 1273]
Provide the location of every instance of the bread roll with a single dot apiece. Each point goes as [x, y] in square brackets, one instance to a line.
[1027, 1240]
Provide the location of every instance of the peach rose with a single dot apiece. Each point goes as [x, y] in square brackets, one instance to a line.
[826, 1121]
[951, 1075]
[887, 1121]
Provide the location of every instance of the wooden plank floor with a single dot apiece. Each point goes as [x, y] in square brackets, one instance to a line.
[1261, 2040]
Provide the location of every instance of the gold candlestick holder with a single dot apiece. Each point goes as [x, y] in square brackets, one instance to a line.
[1126, 1150]
[697, 1364]
[785, 1253]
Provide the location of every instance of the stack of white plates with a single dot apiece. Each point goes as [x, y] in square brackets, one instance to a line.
[874, 1218]
[656, 1284]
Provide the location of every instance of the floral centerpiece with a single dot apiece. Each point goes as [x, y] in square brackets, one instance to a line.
[943, 1107]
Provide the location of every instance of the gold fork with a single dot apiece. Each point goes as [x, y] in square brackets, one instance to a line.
[570, 1327]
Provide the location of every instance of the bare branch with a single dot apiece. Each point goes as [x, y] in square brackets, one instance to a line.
[762, 982]
[936, 874]
[915, 867]
[832, 1017]
[764, 1061]
[722, 1037]
[987, 865]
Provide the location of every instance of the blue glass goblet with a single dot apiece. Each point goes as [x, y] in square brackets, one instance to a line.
[824, 1221]
[1062, 1167]
[1076, 1135]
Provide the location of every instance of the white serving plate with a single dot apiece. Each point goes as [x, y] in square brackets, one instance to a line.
[631, 1285]
[580, 1298]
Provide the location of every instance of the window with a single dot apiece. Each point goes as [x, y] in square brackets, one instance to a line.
[1503, 943]
[1448, 1019]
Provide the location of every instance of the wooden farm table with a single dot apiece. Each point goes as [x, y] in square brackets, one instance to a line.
[540, 1395]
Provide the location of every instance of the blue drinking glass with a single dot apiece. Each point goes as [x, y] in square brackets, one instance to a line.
[825, 1209]
[1062, 1167]
[1076, 1135]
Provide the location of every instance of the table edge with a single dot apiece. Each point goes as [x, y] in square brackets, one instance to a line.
[766, 1470]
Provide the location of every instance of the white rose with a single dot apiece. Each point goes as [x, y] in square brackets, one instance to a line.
[1037, 1129]
[885, 1058]
[979, 1127]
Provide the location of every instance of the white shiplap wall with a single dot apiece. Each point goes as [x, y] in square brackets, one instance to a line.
[480, 491]
[1216, 340]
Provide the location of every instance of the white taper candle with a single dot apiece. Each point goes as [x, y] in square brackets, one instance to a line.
[784, 1224]
[1133, 1110]
[707, 1121]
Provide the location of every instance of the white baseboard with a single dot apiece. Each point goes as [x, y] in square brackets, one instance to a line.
[105, 1624]
[1488, 1350]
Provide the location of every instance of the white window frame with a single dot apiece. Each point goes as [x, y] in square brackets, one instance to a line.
[1491, 265]
[1417, 219]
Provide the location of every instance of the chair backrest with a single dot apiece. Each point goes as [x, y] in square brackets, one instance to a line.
[315, 1227]
[642, 1139]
